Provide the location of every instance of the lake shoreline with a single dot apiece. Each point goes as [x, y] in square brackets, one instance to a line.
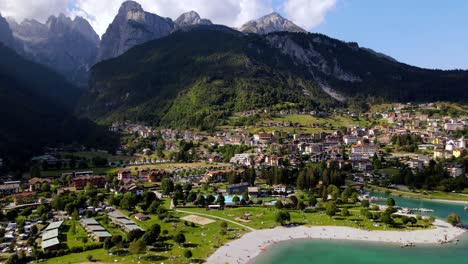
[416, 197]
[253, 244]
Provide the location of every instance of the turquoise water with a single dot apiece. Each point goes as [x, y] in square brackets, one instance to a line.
[358, 252]
[351, 252]
[441, 209]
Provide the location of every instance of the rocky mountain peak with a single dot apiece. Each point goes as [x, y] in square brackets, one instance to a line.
[270, 23]
[132, 26]
[191, 18]
[6, 36]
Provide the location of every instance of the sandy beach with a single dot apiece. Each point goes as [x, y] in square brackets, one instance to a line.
[252, 244]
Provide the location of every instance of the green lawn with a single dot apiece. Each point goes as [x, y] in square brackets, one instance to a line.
[166, 166]
[262, 218]
[75, 237]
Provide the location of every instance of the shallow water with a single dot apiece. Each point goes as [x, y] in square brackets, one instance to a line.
[359, 252]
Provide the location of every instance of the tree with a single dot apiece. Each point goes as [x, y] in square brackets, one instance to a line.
[346, 194]
[390, 201]
[245, 196]
[235, 199]
[333, 191]
[179, 238]
[116, 239]
[129, 201]
[221, 200]
[294, 200]
[331, 208]
[137, 246]
[188, 254]
[453, 219]
[279, 204]
[387, 218]
[191, 197]
[224, 225]
[153, 207]
[312, 201]
[89, 189]
[167, 186]
[283, 217]
[45, 187]
[354, 197]
[90, 258]
[345, 212]
[365, 203]
[107, 243]
[200, 200]
[413, 220]
[134, 235]
[34, 229]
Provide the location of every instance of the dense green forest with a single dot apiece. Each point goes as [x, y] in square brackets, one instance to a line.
[36, 106]
[196, 78]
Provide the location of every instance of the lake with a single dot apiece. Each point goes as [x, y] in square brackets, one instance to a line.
[359, 252]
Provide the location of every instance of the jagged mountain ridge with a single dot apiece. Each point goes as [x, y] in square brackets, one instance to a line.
[67, 46]
[172, 83]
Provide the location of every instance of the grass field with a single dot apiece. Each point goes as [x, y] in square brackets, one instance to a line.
[166, 166]
[263, 218]
[75, 237]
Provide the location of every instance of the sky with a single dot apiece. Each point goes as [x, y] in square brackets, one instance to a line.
[424, 33]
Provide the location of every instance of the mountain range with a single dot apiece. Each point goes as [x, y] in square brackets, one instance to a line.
[190, 72]
[72, 47]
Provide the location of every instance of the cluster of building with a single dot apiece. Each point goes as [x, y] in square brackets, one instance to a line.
[51, 235]
[95, 230]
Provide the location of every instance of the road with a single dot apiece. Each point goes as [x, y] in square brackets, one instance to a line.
[217, 217]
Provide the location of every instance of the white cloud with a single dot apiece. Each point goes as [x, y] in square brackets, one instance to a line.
[307, 13]
[100, 13]
[37, 9]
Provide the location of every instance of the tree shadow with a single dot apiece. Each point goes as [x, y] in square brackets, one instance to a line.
[154, 258]
[190, 245]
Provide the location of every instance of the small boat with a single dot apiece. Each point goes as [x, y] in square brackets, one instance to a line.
[408, 245]
[466, 207]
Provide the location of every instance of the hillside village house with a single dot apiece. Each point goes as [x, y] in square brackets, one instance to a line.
[219, 175]
[35, 184]
[97, 181]
[124, 174]
[238, 188]
[10, 187]
[156, 175]
[24, 198]
[281, 188]
[367, 150]
[452, 126]
[242, 159]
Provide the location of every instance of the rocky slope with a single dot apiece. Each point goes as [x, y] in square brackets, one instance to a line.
[6, 36]
[191, 18]
[172, 83]
[67, 46]
[134, 26]
[273, 22]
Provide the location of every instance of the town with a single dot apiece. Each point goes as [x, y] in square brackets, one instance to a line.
[178, 195]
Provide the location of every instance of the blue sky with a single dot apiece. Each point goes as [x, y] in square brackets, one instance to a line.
[425, 33]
